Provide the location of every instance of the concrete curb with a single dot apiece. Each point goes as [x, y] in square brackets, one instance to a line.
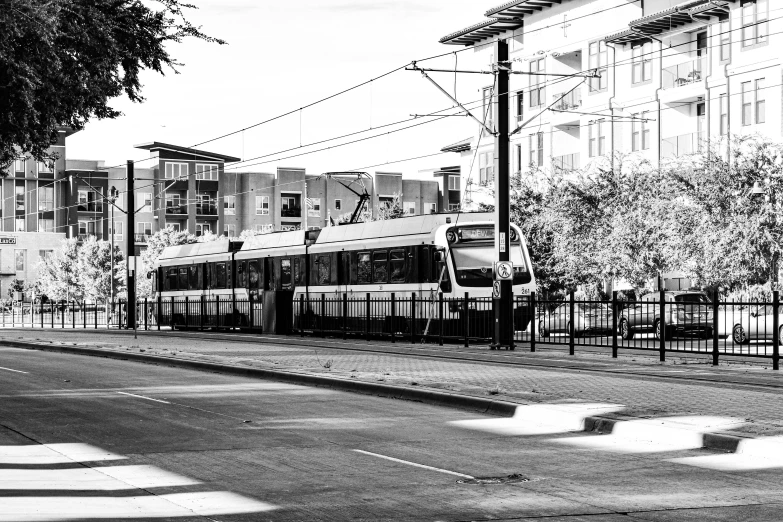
[438, 398]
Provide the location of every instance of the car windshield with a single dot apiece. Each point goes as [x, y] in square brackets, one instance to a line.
[595, 308]
[692, 298]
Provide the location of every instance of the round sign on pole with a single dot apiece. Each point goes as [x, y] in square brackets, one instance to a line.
[504, 271]
[496, 289]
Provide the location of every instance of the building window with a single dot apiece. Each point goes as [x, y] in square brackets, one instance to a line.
[174, 227]
[754, 22]
[537, 92]
[262, 205]
[536, 148]
[173, 204]
[45, 254]
[453, 182]
[486, 168]
[176, 170]
[289, 227]
[45, 225]
[206, 171]
[314, 207]
[517, 158]
[636, 133]
[19, 165]
[747, 104]
[265, 229]
[20, 259]
[229, 230]
[19, 225]
[642, 63]
[144, 228]
[20, 197]
[229, 205]
[338, 204]
[724, 114]
[202, 228]
[433, 208]
[520, 105]
[725, 40]
[410, 207]
[596, 138]
[118, 236]
[46, 199]
[146, 198]
[205, 205]
[44, 167]
[487, 112]
[760, 111]
[453, 207]
[288, 202]
[89, 201]
[598, 62]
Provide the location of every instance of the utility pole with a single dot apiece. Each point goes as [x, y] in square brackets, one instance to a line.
[112, 200]
[504, 306]
[130, 277]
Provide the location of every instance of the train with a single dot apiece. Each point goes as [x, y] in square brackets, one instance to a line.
[281, 280]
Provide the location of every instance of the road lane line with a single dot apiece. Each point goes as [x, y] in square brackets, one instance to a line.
[414, 464]
[63, 453]
[143, 397]
[10, 370]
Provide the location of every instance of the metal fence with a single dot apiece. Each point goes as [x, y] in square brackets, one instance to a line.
[658, 322]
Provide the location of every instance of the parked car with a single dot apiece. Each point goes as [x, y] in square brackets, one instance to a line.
[588, 318]
[756, 323]
[686, 312]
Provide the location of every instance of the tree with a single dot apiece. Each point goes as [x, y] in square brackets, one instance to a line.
[149, 257]
[17, 285]
[57, 273]
[391, 210]
[94, 270]
[62, 61]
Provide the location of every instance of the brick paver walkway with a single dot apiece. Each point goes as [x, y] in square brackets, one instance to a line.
[736, 388]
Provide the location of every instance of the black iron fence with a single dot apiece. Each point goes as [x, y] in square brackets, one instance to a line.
[664, 322]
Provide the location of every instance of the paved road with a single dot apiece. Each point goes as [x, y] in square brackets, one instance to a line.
[104, 439]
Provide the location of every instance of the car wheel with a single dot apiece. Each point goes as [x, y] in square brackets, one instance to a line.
[542, 331]
[738, 335]
[625, 330]
[657, 329]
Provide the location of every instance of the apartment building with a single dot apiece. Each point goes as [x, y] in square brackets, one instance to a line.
[673, 77]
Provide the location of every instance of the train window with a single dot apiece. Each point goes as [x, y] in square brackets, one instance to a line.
[285, 274]
[380, 270]
[324, 270]
[297, 270]
[343, 268]
[364, 268]
[425, 269]
[171, 279]
[201, 276]
[221, 275]
[253, 275]
[397, 266]
[193, 282]
[241, 274]
[183, 278]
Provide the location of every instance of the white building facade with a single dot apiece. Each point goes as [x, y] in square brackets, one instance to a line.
[674, 76]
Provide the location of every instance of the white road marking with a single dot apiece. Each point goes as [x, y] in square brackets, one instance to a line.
[655, 435]
[143, 397]
[540, 419]
[54, 509]
[104, 478]
[751, 455]
[10, 370]
[414, 464]
[55, 454]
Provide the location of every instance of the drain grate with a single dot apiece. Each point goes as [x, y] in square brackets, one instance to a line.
[511, 479]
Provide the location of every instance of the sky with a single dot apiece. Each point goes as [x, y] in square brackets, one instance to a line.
[283, 55]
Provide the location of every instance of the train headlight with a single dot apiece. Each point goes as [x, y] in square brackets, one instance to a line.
[451, 236]
[513, 234]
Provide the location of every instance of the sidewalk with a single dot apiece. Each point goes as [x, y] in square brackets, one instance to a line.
[684, 385]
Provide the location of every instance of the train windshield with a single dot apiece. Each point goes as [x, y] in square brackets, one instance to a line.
[473, 264]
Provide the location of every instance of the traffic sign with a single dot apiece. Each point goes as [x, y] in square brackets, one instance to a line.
[504, 271]
[496, 289]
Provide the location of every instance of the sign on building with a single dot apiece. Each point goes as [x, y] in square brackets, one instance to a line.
[7, 240]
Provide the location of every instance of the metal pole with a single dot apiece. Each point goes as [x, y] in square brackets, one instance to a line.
[571, 329]
[367, 318]
[130, 277]
[614, 324]
[533, 322]
[345, 315]
[159, 311]
[440, 318]
[715, 303]
[775, 332]
[111, 250]
[466, 319]
[146, 314]
[413, 317]
[662, 327]
[504, 326]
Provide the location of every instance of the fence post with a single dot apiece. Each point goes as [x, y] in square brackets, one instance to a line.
[84, 314]
[234, 311]
[42, 313]
[662, 323]
[146, 313]
[367, 316]
[202, 309]
[775, 332]
[571, 327]
[187, 311]
[322, 315]
[301, 314]
[466, 319]
[533, 322]
[62, 317]
[159, 312]
[96, 314]
[440, 319]
[413, 317]
[715, 297]
[51, 310]
[250, 310]
[391, 325]
[73, 314]
[614, 324]
[345, 315]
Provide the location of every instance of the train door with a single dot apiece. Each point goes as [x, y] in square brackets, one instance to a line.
[343, 272]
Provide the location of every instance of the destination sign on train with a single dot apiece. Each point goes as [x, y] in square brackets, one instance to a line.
[477, 233]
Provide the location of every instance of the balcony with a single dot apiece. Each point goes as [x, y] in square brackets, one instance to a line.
[683, 144]
[83, 237]
[291, 212]
[176, 209]
[683, 74]
[141, 238]
[206, 209]
[566, 163]
[89, 206]
[571, 101]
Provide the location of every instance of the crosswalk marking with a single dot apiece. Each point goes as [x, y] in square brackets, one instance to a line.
[540, 419]
[114, 478]
[655, 435]
[55, 454]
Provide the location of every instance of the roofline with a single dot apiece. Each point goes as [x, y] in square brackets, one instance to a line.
[157, 145]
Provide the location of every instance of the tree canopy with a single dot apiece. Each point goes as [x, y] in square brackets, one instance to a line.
[61, 62]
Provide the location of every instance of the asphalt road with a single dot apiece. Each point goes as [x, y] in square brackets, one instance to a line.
[91, 438]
